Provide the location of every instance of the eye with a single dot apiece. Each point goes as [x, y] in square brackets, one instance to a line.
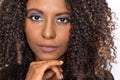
[36, 17]
[63, 20]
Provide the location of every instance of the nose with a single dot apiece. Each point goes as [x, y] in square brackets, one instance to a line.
[48, 31]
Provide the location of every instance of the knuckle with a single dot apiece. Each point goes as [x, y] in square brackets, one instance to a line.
[33, 66]
[36, 70]
[32, 63]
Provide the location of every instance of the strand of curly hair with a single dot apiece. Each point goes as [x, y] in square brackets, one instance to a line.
[91, 48]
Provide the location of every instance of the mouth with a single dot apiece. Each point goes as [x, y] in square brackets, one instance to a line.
[48, 48]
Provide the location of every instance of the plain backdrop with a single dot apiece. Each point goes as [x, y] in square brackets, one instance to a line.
[115, 5]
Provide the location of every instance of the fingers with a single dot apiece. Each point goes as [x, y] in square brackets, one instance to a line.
[54, 66]
[48, 74]
[38, 70]
[33, 70]
[58, 72]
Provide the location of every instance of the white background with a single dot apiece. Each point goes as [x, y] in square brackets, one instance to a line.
[115, 5]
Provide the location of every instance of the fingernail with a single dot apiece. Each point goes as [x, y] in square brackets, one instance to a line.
[61, 62]
[61, 76]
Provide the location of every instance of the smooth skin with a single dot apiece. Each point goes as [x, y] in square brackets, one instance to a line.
[45, 70]
[47, 28]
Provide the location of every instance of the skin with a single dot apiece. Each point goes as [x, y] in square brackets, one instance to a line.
[47, 29]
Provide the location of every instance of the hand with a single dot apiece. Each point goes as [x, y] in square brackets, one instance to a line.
[44, 70]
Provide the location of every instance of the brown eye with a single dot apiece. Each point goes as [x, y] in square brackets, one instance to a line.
[36, 17]
[62, 20]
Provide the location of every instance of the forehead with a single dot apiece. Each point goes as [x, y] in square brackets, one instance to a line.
[46, 4]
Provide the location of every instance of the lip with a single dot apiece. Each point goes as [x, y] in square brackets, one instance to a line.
[48, 48]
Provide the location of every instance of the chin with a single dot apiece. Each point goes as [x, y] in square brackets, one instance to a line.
[47, 58]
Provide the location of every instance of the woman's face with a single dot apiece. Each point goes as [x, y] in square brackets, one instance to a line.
[47, 28]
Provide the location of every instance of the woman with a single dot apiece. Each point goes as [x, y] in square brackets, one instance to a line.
[56, 39]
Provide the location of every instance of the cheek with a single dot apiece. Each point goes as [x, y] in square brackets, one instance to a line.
[64, 39]
[64, 35]
[31, 32]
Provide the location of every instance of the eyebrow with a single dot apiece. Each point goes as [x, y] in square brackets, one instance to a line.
[40, 11]
[63, 13]
[34, 9]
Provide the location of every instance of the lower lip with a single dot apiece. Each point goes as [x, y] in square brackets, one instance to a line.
[48, 49]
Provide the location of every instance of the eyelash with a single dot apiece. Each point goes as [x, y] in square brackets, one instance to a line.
[63, 20]
[35, 17]
[58, 20]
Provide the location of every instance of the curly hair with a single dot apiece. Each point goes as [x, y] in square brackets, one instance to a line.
[91, 47]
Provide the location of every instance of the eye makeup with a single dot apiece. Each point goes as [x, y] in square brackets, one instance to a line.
[62, 20]
[35, 17]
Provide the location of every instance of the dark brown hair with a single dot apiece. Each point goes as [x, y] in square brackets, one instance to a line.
[91, 48]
